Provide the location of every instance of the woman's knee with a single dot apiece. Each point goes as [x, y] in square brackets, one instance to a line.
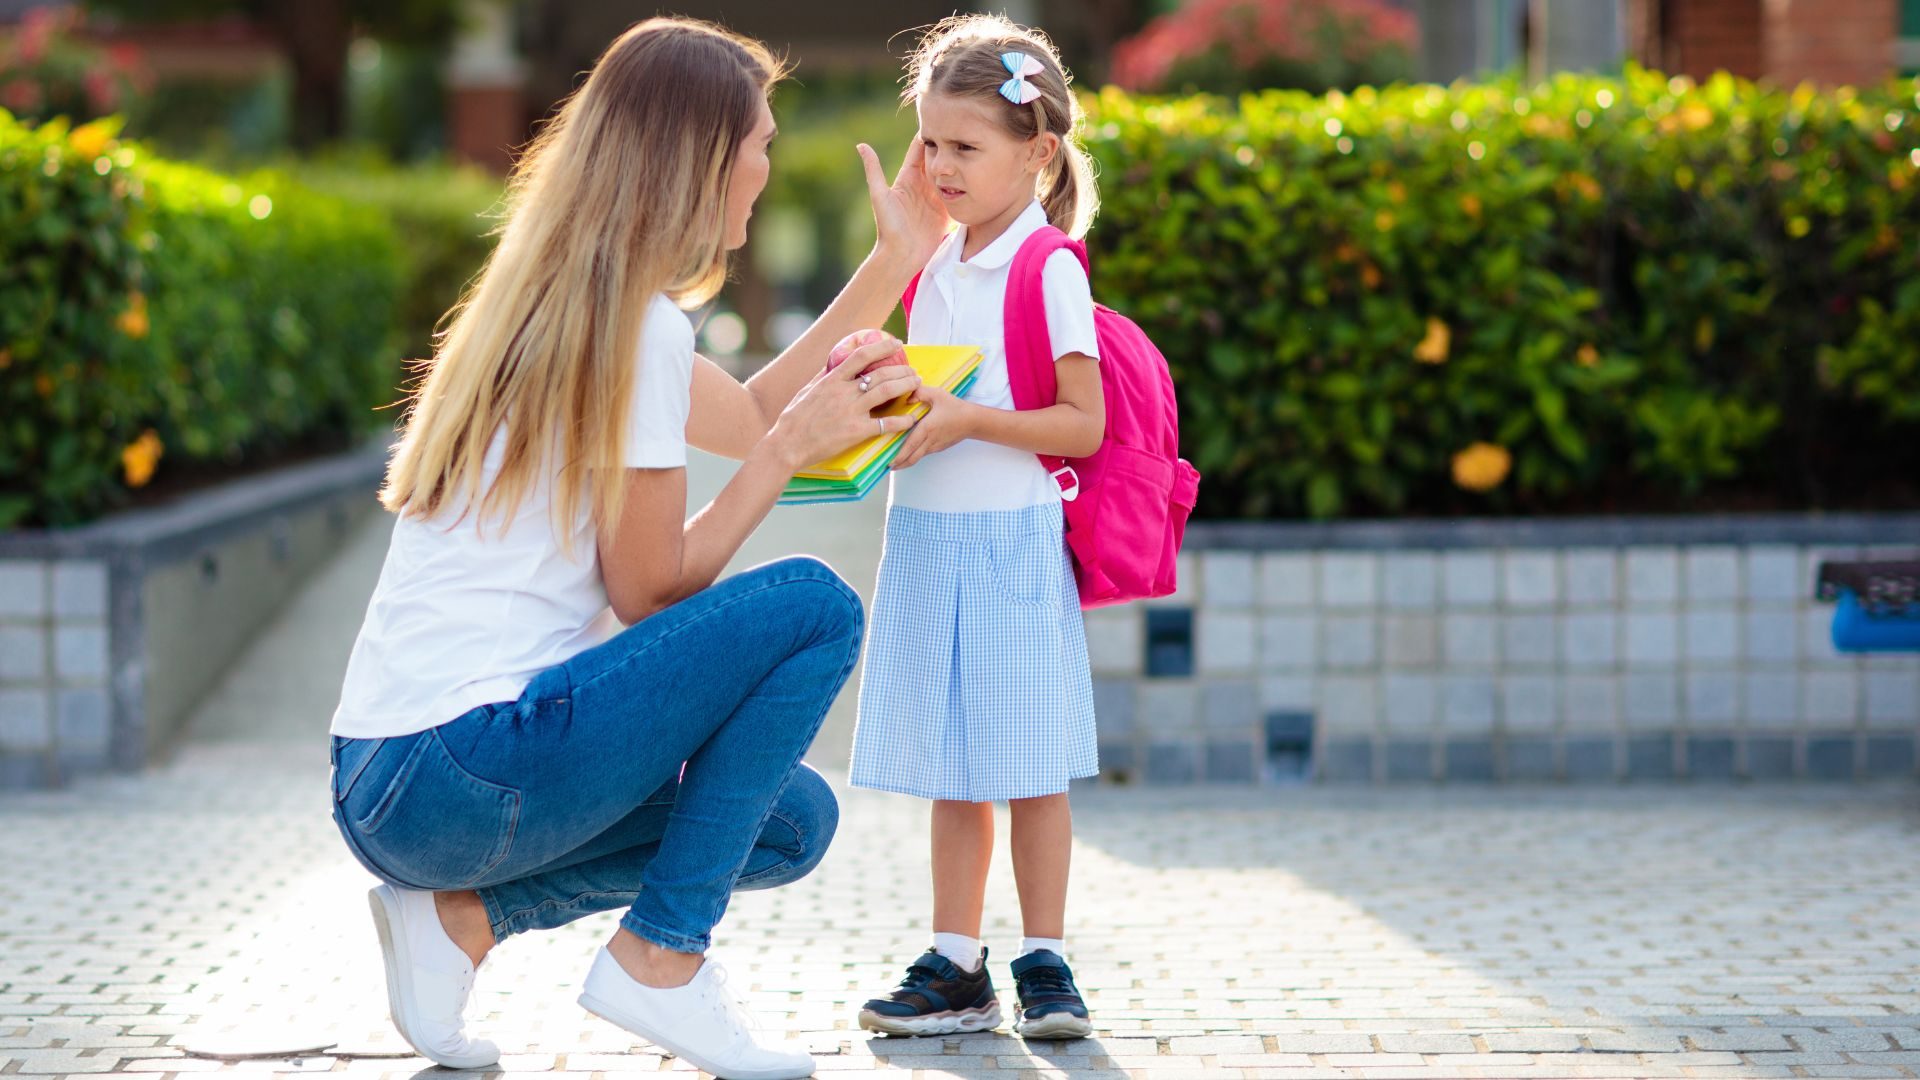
[818, 591]
[800, 828]
[810, 804]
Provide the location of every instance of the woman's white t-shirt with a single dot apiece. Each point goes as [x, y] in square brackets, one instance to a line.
[963, 303]
[463, 617]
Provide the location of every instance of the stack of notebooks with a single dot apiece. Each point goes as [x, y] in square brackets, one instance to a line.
[849, 475]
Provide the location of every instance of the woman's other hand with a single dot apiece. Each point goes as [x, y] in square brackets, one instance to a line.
[907, 215]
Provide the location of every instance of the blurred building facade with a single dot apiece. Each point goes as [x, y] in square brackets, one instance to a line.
[1829, 42]
[1466, 38]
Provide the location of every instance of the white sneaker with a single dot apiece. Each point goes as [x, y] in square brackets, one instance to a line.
[429, 979]
[701, 1022]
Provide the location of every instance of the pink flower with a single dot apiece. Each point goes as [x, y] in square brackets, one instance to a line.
[38, 27]
[1250, 31]
[30, 46]
[20, 96]
[126, 59]
[102, 93]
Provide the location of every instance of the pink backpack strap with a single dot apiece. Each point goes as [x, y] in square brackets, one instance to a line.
[1029, 348]
[906, 298]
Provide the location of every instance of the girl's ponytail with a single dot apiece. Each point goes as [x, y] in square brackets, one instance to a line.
[1071, 198]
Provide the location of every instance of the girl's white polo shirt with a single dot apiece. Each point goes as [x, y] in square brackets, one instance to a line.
[961, 303]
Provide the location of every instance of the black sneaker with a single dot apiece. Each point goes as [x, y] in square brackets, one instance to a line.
[1050, 1005]
[936, 998]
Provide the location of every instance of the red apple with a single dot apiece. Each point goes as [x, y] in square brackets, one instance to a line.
[854, 341]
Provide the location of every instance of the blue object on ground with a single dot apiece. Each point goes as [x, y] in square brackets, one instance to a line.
[1858, 629]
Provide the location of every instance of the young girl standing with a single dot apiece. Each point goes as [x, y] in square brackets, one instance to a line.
[976, 687]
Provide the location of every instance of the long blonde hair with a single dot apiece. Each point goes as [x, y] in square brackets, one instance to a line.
[622, 196]
[961, 56]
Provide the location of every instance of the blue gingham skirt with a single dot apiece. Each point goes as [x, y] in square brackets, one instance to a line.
[976, 685]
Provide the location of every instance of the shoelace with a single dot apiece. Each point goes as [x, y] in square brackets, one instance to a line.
[720, 994]
[1045, 980]
[917, 977]
[441, 1009]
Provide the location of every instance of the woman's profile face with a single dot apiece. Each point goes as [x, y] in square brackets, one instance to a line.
[750, 169]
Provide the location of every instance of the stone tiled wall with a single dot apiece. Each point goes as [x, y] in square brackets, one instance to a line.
[55, 698]
[1525, 663]
[111, 632]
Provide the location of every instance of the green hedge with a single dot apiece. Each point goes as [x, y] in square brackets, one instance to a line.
[444, 215]
[1637, 292]
[151, 308]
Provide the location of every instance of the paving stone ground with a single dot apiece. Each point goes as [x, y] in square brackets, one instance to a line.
[1662, 931]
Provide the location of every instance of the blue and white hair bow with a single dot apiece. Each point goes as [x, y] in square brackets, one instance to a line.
[1017, 89]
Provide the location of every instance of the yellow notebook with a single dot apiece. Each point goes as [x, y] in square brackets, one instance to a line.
[939, 365]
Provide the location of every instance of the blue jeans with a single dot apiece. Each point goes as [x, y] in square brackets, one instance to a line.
[656, 772]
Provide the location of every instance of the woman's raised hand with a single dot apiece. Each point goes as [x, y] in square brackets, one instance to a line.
[835, 410]
[908, 216]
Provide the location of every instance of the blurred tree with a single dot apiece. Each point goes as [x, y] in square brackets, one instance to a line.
[314, 35]
[1087, 31]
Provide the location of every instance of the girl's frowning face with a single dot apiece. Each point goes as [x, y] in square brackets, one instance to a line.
[983, 171]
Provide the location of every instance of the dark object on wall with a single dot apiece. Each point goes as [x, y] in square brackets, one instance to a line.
[1169, 643]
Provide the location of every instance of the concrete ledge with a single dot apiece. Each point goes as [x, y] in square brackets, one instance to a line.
[1849, 529]
[1652, 649]
[112, 632]
[205, 517]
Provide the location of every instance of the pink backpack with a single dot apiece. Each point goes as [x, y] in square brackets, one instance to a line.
[1127, 504]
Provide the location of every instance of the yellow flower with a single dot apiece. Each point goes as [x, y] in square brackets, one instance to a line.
[133, 321]
[1471, 204]
[1481, 467]
[1542, 126]
[1433, 348]
[140, 457]
[90, 140]
[1587, 186]
[1383, 221]
[1587, 355]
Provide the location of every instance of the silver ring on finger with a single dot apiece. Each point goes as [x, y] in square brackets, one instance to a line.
[882, 421]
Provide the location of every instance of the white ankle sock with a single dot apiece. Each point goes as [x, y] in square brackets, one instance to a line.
[959, 948]
[1054, 945]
